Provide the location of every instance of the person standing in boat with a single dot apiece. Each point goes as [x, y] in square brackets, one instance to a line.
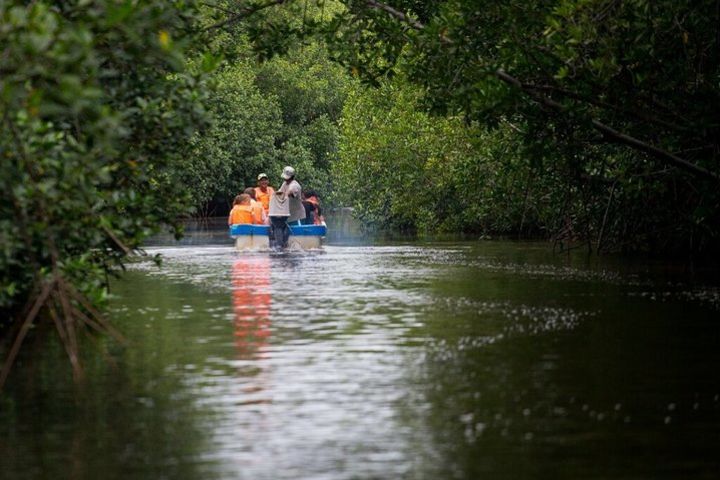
[293, 191]
[286, 209]
[264, 191]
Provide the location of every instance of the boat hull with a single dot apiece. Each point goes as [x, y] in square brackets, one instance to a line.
[255, 237]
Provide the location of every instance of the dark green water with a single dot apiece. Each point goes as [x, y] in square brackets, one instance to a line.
[474, 360]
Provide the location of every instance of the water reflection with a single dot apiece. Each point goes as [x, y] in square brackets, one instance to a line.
[396, 361]
[251, 297]
[251, 304]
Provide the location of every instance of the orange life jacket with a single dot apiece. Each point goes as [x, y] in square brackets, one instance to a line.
[264, 197]
[240, 214]
[257, 212]
[317, 218]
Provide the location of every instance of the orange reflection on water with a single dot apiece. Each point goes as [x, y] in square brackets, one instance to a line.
[251, 304]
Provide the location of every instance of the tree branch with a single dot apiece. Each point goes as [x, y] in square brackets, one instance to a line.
[218, 7]
[599, 103]
[615, 136]
[245, 12]
[395, 13]
[633, 142]
[117, 241]
[26, 324]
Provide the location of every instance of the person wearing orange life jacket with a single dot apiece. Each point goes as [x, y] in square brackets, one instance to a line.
[258, 213]
[241, 211]
[263, 192]
[313, 212]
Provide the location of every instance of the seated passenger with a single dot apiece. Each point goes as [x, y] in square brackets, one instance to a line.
[258, 212]
[264, 191]
[313, 213]
[241, 211]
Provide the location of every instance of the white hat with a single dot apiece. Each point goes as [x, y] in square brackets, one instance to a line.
[288, 172]
[262, 175]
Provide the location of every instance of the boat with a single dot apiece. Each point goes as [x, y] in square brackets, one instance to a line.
[255, 237]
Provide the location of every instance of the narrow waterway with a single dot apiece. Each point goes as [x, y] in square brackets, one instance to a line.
[417, 360]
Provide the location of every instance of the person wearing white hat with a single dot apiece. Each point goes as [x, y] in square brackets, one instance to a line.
[286, 209]
[264, 191]
[293, 191]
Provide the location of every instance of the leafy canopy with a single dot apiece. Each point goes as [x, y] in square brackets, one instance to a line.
[96, 106]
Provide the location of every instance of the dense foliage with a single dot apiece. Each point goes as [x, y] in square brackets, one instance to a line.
[404, 169]
[264, 113]
[239, 141]
[264, 116]
[400, 168]
[96, 106]
[614, 100]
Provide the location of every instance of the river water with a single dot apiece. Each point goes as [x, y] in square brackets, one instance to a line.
[417, 360]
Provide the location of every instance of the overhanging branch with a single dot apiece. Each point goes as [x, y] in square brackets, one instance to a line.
[395, 13]
[633, 142]
[245, 12]
[613, 135]
[609, 106]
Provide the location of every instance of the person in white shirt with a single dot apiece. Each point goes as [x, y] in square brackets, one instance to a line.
[293, 191]
[286, 209]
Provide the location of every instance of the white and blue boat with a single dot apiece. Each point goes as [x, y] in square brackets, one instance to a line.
[255, 237]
